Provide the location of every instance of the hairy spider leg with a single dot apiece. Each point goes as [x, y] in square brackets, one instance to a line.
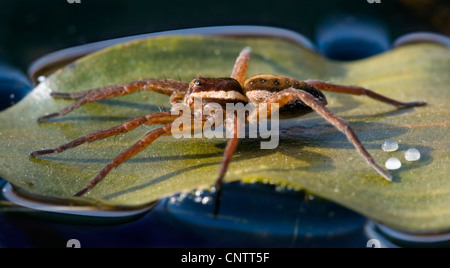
[228, 154]
[241, 65]
[151, 119]
[229, 151]
[148, 139]
[177, 97]
[285, 96]
[239, 73]
[166, 87]
[354, 90]
[145, 141]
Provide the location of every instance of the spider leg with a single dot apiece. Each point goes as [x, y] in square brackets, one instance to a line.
[145, 141]
[354, 90]
[241, 65]
[283, 97]
[176, 97]
[228, 154]
[166, 87]
[229, 151]
[151, 119]
[239, 73]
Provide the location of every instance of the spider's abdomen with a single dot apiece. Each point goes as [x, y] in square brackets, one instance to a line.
[259, 88]
[215, 90]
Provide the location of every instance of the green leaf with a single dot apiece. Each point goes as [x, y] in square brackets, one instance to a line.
[312, 155]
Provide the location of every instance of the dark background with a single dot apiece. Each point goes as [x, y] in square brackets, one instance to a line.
[30, 29]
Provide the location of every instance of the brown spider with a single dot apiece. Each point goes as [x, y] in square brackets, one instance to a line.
[294, 97]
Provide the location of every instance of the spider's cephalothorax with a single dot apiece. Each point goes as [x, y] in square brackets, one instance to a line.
[215, 90]
[294, 97]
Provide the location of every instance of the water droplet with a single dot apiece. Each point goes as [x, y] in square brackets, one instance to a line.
[390, 146]
[412, 154]
[206, 200]
[198, 199]
[212, 190]
[280, 188]
[393, 163]
[172, 201]
[182, 197]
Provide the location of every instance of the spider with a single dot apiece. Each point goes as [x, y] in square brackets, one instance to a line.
[294, 97]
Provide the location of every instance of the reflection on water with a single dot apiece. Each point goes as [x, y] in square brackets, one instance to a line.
[13, 86]
[342, 37]
[263, 215]
[392, 238]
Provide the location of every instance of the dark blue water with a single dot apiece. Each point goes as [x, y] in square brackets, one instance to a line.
[14, 85]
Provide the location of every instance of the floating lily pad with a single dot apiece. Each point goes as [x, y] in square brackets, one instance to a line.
[312, 155]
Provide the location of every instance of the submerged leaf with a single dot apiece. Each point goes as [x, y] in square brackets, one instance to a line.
[312, 155]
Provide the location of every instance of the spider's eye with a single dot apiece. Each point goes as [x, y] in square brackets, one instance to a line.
[197, 82]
